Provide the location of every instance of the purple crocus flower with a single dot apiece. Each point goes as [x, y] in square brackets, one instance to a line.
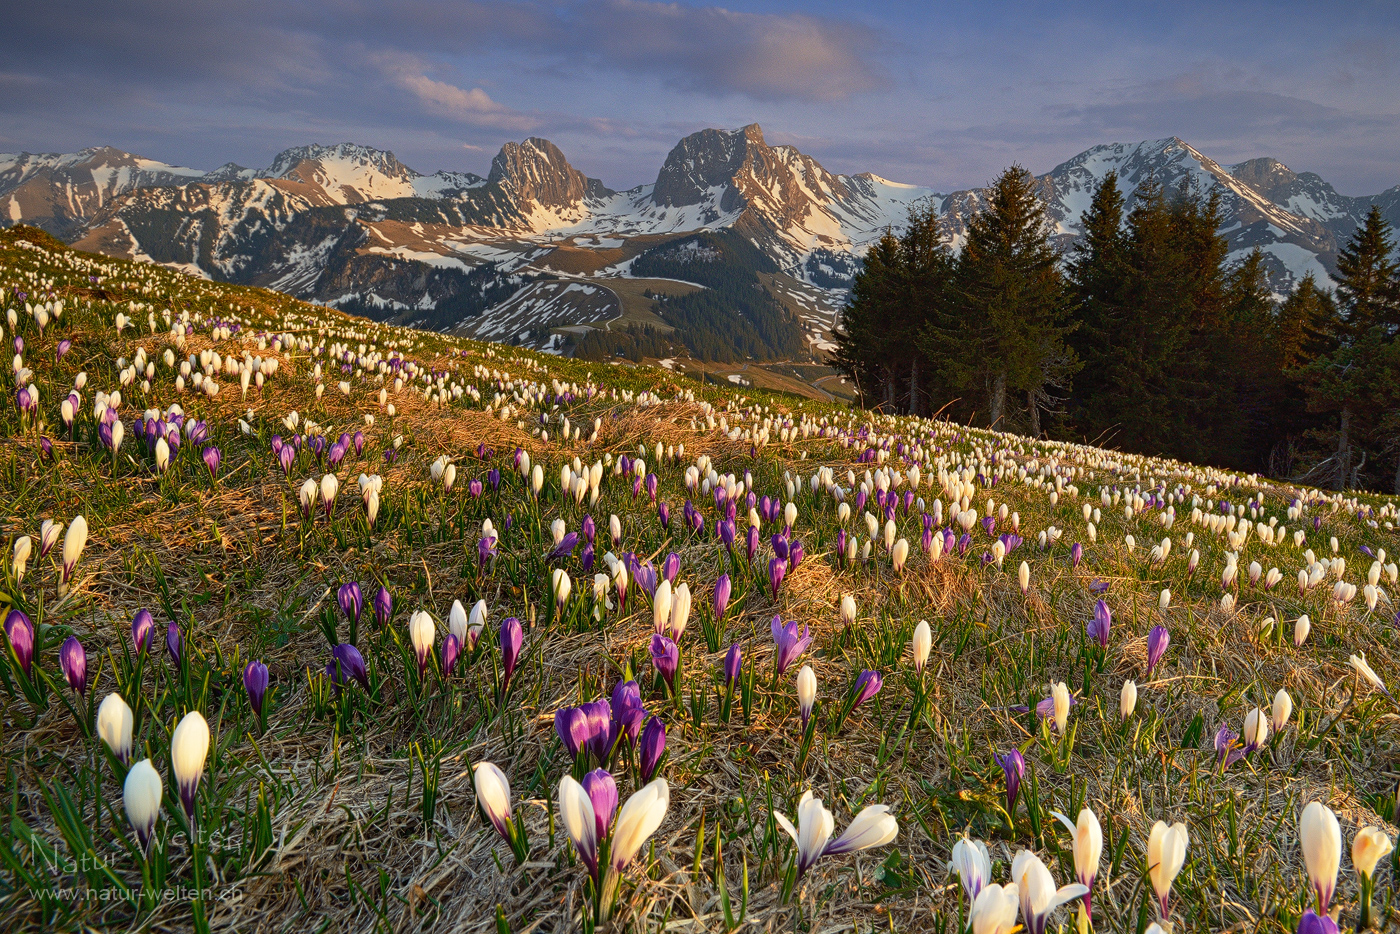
[601, 789]
[255, 683]
[63, 347]
[789, 643]
[733, 665]
[795, 554]
[359, 442]
[451, 648]
[671, 567]
[285, 457]
[1076, 553]
[586, 558]
[651, 486]
[1226, 752]
[841, 547]
[73, 660]
[663, 512]
[645, 576]
[727, 532]
[347, 662]
[565, 548]
[383, 607]
[1098, 627]
[777, 570]
[172, 641]
[1314, 923]
[571, 726]
[602, 731]
[512, 637]
[589, 529]
[780, 545]
[212, 457]
[867, 686]
[751, 543]
[628, 714]
[351, 601]
[1013, 766]
[723, 587]
[653, 748]
[485, 551]
[1157, 641]
[666, 656]
[143, 631]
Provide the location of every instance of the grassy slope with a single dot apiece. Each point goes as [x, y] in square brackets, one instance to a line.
[345, 845]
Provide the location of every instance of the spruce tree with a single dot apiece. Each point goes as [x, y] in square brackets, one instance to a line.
[1008, 314]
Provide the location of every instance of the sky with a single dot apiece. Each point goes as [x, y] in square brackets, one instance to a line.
[943, 95]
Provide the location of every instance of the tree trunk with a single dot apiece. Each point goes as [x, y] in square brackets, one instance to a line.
[1034, 405]
[914, 386]
[1344, 449]
[889, 393]
[998, 399]
[1397, 476]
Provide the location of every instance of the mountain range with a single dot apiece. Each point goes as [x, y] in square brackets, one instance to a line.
[352, 226]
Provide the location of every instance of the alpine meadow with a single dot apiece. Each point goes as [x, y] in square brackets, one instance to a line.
[620, 467]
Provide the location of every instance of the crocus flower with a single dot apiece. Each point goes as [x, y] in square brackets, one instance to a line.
[73, 660]
[1157, 641]
[1036, 888]
[1256, 730]
[351, 601]
[572, 727]
[189, 746]
[601, 789]
[49, 531]
[512, 637]
[1313, 923]
[733, 663]
[255, 683]
[872, 827]
[560, 586]
[1098, 627]
[671, 567]
[1127, 698]
[867, 686]
[141, 797]
[1280, 711]
[1166, 854]
[628, 714]
[971, 861]
[565, 547]
[777, 570]
[666, 656]
[580, 822]
[921, 645]
[637, 821]
[1076, 553]
[1320, 837]
[73, 544]
[994, 911]
[383, 607]
[806, 693]
[493, 797]
[1013, 766]
[789, 643]
[172, 641]
[347, 662]
[20, 633]
[114, 725]
[143, 631]
[451, 649]
[723, 588]
[1087, 844]
[212, 457]
[653, 747]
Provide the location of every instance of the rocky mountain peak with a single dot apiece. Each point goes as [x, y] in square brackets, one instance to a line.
[536, 171]
[704, 161]
[300, 162]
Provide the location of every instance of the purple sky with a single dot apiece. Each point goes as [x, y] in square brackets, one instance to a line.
[944, 95]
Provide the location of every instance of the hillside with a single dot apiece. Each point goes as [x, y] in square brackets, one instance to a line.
[416, 632]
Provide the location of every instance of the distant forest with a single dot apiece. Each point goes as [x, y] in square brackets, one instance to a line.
[733, 318]
[1142, 338]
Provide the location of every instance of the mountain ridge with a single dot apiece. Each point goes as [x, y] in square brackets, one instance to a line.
[347, 224]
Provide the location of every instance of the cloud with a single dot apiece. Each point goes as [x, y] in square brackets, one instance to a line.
[713, 50]
[473, 107]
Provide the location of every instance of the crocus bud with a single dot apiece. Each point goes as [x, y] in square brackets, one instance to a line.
[733, 662]
[1370, 845]
[1127, 698]
[923, 643]
[351, 601]
[899, 555]
[383, 607]
[422, 631]
[1320, 837]
[848, 610]
[1301, 629]
[20, 633]
[141, 796]
[73, 544]
[114, 725]
[512, 637]
[189, 746]
[653, 748]
[49, 531]
[806, 693]
[723, 588]
[680, 610]
[23, 546]
[1023, 576]
[1280, 712]
[143, 631]
[255, 683]
[73, 660]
